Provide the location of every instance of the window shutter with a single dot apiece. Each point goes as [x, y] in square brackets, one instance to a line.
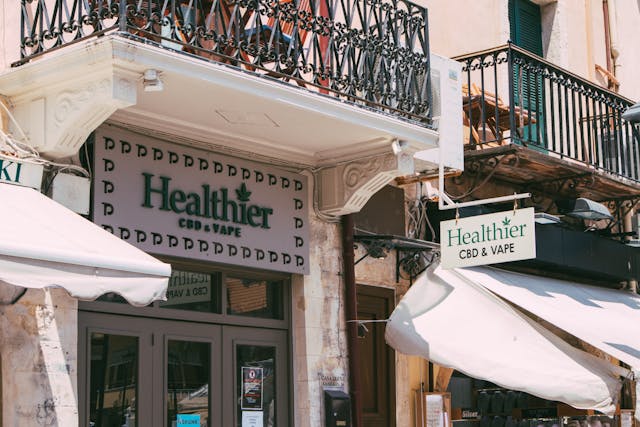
[525, 25]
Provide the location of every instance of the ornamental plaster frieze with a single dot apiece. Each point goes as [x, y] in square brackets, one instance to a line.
[57, 122]
[346, 188]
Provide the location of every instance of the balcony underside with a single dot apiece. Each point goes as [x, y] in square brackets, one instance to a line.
[541, 172]
[202, 102]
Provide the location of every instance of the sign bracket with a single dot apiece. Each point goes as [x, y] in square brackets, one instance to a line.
[445, 202]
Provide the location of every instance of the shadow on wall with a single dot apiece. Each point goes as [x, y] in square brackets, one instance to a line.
[41, 387]
[548, 16]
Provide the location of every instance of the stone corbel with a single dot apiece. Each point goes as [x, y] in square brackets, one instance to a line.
[346, 188]
[58, 122]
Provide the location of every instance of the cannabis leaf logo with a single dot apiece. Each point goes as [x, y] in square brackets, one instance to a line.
[506, 221]
[242, 193]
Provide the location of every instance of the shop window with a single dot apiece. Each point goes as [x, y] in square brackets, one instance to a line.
[254, 298]
[479, 403]
[194, 291]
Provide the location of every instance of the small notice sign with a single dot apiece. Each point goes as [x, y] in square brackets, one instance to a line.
[252, 419]
[488, 239]
[252, 379]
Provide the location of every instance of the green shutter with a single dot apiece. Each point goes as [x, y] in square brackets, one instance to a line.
[525, 25]
[526, 32]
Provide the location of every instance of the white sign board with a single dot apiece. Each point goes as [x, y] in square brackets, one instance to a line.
[21, 172]
[252, 419]
[488, 239]
[169, 199]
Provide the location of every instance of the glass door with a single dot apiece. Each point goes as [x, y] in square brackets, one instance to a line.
[255, 377]
[191, 367]
[140, 372]
[146, 372]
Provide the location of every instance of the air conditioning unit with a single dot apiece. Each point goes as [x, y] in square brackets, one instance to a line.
[446, 85]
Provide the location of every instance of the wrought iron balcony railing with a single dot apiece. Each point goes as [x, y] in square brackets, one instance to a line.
[510, 95]
[371, 52]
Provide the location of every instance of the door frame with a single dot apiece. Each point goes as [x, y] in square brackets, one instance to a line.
[153, 337]
[388, 294]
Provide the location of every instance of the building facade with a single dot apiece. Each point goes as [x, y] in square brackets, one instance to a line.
[226, 139]
[237, 141]
[544, 86]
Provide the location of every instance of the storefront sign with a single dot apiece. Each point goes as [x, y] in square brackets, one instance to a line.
[173, 200]
[21, 172]
[488, 239]
[252, 380]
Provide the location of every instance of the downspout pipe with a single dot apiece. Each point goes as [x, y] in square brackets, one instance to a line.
[349, 276]
[610, 39]
[613, 35]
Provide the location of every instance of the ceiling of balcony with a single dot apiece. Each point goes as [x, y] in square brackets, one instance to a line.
[549, 174]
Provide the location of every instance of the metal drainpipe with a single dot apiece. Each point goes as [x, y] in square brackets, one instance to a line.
[349, 275]
[609, 38]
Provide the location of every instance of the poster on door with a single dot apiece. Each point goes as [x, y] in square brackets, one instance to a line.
[252, 381]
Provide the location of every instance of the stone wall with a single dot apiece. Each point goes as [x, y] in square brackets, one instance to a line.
[38, 349]
[319, 334]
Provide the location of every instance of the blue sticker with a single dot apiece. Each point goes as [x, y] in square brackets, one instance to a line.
[189, 420]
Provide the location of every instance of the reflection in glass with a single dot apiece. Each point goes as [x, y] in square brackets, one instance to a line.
[255, 382]
[190, 290]
[114, 380]
[188, 377]
[254, 298]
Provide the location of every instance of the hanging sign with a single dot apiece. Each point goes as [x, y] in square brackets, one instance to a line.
[488, 239]
[173, 200]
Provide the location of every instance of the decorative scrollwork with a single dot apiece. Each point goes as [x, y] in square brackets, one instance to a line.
[386, 66]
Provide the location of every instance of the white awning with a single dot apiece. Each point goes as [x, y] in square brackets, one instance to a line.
[456, 322]
[44, 244]
[608, 319]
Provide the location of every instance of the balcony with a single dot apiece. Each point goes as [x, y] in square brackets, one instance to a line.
[563, 133]
[338, 87]
[370, 53]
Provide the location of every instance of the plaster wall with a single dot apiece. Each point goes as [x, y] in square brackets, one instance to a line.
[9, 34]
[573, 34]
[458, 27]
[320, 355]
[627, 34]
[39, 360]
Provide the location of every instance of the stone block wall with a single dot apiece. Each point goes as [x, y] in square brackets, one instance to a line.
[38, 349]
